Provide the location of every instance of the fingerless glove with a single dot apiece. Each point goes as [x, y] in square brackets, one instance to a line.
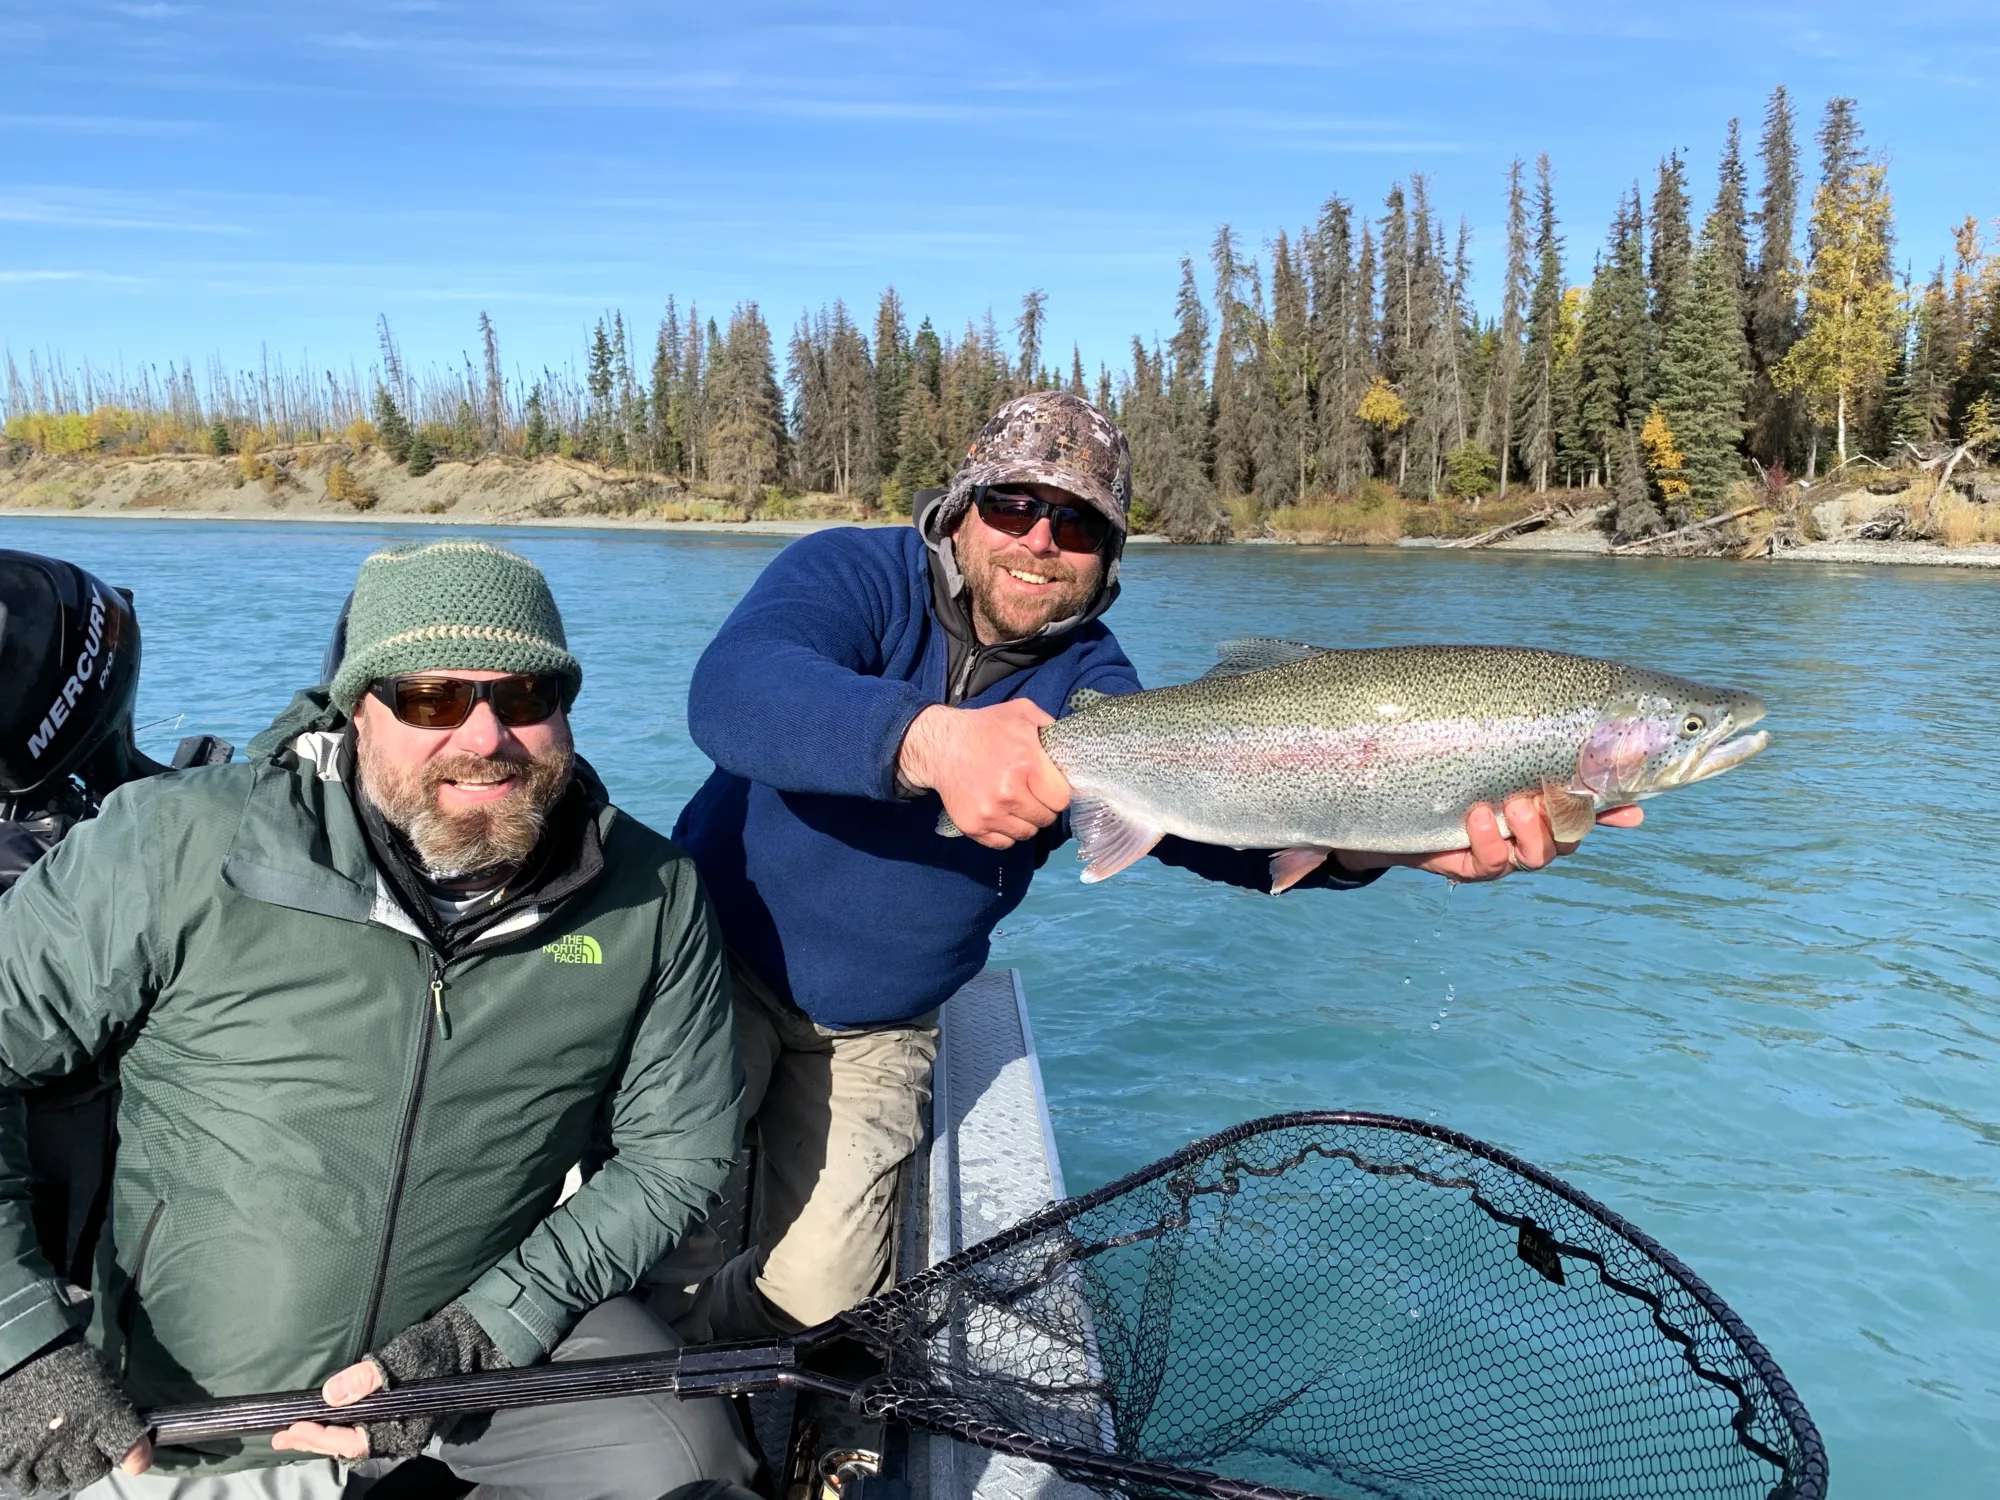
[452, 1343]
[64, 1421]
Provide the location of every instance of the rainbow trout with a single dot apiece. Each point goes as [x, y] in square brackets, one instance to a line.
[1305, 750]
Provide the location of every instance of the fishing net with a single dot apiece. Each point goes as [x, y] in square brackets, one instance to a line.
[1335, 1304]
[1346, 1305]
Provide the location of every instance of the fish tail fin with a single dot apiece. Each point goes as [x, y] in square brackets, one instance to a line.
[1108, 840]
[946, 829]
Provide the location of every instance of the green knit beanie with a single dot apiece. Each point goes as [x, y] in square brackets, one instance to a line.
[456, 604]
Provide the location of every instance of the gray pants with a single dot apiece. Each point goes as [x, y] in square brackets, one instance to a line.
[631, 1448]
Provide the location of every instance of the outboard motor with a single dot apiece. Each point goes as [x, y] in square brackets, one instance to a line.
[69, 673]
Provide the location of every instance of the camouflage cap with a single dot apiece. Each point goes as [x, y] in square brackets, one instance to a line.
[1046, 437]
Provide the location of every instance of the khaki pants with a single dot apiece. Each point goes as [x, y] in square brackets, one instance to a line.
[838, 1113]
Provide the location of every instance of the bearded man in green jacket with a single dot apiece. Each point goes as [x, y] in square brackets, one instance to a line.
[372, 995]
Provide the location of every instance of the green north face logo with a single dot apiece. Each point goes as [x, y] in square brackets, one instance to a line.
[577, 948]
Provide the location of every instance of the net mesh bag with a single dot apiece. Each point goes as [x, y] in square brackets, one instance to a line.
[1344, 1304]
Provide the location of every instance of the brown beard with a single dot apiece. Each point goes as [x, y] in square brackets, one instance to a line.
[996, 618]
[451, 846]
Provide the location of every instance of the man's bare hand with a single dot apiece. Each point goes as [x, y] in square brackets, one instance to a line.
[988, 765]
[1492, 854]
[343, 1388]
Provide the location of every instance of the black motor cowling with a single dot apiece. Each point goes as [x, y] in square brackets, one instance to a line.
[69, 672]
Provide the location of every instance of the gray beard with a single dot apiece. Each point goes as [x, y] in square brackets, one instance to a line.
[449, 847]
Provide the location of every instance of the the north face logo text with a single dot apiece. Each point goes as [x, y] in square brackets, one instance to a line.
[577, 948]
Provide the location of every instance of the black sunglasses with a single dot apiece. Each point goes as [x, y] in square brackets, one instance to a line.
[433, 702]
[1075, 528]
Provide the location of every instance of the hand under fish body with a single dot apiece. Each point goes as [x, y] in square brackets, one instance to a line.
[1305, 750]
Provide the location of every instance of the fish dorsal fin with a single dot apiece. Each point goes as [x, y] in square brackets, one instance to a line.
[1253, 653]
[1083, 698]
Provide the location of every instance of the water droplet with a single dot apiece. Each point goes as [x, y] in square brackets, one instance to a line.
[1406, 979]
[1437, 932]
[1434, 1026]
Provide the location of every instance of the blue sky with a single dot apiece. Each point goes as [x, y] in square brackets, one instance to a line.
[181, 178]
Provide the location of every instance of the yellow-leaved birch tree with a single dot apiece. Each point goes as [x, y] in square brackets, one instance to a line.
[1852, 309]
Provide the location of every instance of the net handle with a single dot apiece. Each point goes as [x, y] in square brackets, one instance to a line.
[747, 1370]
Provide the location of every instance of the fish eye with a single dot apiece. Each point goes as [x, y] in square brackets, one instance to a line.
[1693, 724]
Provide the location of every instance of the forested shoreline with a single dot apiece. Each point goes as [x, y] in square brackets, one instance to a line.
[1708, 361]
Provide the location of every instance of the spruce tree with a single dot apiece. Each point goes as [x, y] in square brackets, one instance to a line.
[1028, 330]
[1340, 363]
[1170, 493]
[493, 416]
[1366, 343]
[746, 437]
[535, 436]
[1704, 369]
[663, 443]
[1538, 414]
[1291, 372]
[598, 415]
[921, 457]
[1235, 345]
[1671, 255]
[218, 439]
[1732, 240]
[1598, 393]
[392, 428]
[1503, 384]
[1774, 287]
[892, 376]
[466, 438]
[1638, 512]
[421, 460]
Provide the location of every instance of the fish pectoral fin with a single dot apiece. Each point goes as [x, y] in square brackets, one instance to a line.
[1290, 866]
[1107, 839]
[1253, 653]
[1571, 814]
[946, 829]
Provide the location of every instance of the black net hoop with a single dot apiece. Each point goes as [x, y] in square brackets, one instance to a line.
[1343, 1304]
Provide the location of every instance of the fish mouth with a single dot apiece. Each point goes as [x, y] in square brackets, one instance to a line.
[1726, 755]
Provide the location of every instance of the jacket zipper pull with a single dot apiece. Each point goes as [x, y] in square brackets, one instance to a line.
[437, 1003]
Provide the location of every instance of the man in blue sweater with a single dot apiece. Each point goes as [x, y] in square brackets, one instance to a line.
[866, 677]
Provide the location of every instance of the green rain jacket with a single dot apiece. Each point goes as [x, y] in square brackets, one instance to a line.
[328, 1130]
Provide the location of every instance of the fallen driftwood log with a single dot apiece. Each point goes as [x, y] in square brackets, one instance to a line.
[1501, 533]
[1628, 548]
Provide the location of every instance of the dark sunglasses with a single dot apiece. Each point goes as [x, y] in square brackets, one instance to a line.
[1075, 528]
[446, 702]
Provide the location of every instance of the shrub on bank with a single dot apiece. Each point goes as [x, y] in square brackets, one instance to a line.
[344, 489]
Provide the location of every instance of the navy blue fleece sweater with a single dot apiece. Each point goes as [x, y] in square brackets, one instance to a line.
[837, 892]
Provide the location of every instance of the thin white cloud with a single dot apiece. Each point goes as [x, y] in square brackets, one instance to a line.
[71, 209]
[101, 125]
[16, 278]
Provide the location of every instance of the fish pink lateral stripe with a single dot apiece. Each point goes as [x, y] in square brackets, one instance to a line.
[1306, 747]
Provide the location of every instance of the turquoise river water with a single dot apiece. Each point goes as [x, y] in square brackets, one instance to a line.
[1765, 1027]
